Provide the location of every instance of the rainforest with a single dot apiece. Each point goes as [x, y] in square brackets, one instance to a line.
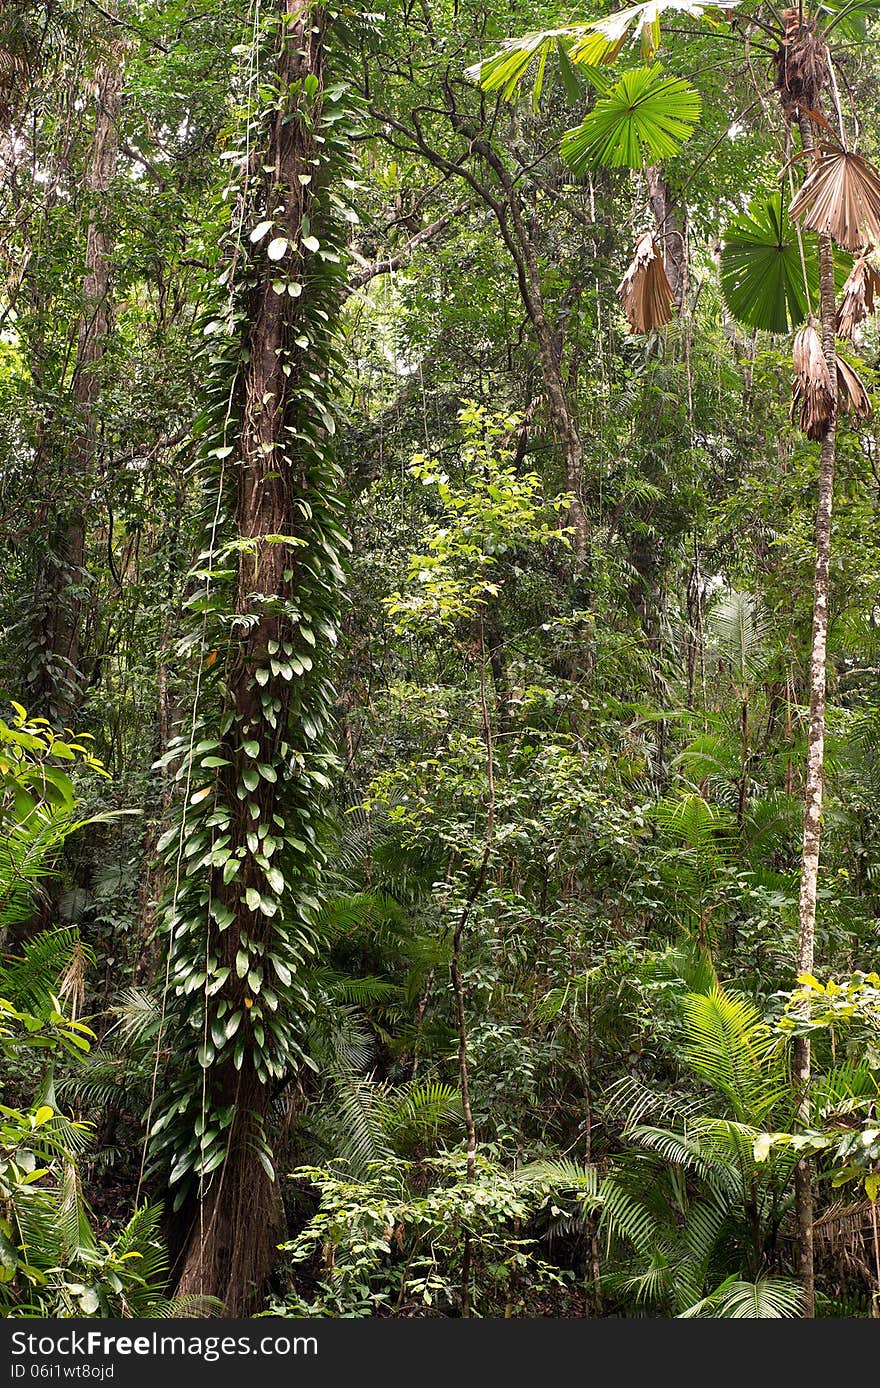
[440, 662]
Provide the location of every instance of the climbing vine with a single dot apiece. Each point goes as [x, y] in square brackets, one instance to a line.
[252, 823]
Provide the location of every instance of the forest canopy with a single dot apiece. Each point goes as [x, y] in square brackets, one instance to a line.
[440, 685]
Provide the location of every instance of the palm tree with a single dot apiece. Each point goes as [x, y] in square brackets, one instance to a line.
[644, 117]
[692, 1219]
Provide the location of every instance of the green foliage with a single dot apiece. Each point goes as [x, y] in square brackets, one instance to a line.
[321, 802]
[387, 1240]
[763, 268]
[646, 116]
[600, 41]
[699, 1214]
[51, 1260]
[491, 513]
[768, 1298]
[841, 1126]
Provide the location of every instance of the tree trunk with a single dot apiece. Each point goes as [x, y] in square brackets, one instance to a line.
[232, 1244]
[671, 225]
[813, 787]
[59, 619]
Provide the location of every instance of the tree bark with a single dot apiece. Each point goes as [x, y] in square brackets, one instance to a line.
[58, 623]
[233, 1241]
[814, 782]
[671, 224]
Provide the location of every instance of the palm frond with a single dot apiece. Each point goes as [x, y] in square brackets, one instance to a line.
[852, 395]
[728, 1045]
[32, 978]
[857, 296]
[644, 292]
[739, 631]
[841, 196]
[769, 1298]
[645, 117]
[813, 394]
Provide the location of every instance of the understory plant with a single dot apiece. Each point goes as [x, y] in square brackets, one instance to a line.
[400, 1239]
[53, 1260]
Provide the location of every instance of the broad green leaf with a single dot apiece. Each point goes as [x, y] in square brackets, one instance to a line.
[762, 276]
[848, 17]
[762, 1145]
[645, 116]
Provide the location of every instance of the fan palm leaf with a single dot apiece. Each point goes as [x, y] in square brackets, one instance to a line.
[857, 301]
[841, 196]
[645, 117]
[762, 274]
[645, 293]
[813, 395]
[852, 395]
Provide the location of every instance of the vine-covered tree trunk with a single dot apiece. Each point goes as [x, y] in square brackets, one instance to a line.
[256, 823]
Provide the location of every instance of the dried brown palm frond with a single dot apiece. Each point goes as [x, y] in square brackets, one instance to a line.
[72, 984]
[841, 195]
[851, 393]
[644, 292]
[857, 300]
[813, 397]
[801, 64]
[843, 1222]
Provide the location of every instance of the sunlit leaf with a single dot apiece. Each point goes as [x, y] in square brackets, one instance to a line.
[646, 116]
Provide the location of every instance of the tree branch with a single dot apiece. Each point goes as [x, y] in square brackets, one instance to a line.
[394, 262]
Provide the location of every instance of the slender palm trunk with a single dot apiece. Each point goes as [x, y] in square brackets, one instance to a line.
[671, 221]
[814, 781]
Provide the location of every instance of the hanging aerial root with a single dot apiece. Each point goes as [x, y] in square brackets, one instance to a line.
[644, 292]
[813, 396]
[857, 300]
[841, 196]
